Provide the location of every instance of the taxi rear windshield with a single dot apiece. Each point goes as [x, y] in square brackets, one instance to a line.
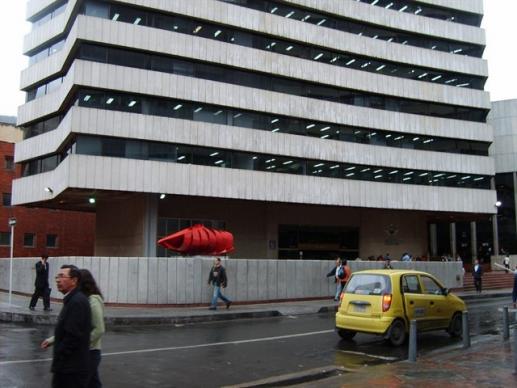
[368, 284]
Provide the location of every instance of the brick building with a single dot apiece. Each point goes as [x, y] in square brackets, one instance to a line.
[55, 232]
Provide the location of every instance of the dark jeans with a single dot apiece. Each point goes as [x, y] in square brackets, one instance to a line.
[477, 284]
[41, 293]
[69, 380]
[93, 376]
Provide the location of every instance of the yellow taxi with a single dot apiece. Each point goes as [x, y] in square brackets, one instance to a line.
[385, 301]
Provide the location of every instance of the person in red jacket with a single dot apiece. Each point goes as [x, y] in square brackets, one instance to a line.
[347, 272]
[341, 273]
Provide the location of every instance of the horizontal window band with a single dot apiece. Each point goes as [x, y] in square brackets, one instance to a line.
[217, 157]
[328, 20]
[201, 28]
[194, 27]
[263, 81]
[428, 10]
[218, 114]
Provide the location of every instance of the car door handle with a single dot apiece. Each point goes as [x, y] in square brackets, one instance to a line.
[411, 302]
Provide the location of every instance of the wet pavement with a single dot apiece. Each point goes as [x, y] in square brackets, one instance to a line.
[488, 363]
[211, 354]
[297, 347]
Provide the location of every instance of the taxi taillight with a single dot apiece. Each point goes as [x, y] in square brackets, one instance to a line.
[386, 302]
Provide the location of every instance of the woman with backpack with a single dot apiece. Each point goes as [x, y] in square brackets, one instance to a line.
[341, 273]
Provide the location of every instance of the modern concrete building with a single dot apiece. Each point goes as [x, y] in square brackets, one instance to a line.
[503, 118]
[304, 127]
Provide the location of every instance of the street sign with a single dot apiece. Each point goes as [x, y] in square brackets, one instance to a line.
[12, 221]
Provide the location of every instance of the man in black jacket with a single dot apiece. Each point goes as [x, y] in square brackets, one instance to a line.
[41, 285]
[72, 333]
[218, 278]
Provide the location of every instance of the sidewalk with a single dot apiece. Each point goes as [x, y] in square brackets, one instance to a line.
[144, 315]
[488, 363]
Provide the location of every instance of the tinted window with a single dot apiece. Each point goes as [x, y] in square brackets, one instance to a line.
[9, 163]
[368, 284]
[6, 199]
[430, 286]
[5, 238]
[51, 240]
[28, 239]
[411, 285]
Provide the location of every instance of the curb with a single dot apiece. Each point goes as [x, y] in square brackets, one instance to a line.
[51, 319]
[16, 317]
[172, 320]
[486, 296]
[8, 316]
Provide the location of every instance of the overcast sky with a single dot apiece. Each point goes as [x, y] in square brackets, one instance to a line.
[500, 23]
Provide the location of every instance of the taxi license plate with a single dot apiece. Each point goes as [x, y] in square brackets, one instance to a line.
[360, 308]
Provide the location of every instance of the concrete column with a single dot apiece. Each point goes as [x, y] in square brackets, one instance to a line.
[433, 241]
[495, 232]
[495, 226]
[150, 225]
[452, 233]
[473, 239]
[515, 195]
[120, 226]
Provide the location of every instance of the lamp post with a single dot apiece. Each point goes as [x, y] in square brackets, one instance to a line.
[12, 224]
[495, 229]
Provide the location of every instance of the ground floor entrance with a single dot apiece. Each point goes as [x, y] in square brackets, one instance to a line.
[272, 230]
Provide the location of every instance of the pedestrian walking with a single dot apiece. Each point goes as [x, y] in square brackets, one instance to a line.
[387, 264]
[219, 280]
[342, 275]
[506, 263]
[348, 272]
[338, 272]
[70, 361]
[41, 285]
[89, 287]
[477, 274]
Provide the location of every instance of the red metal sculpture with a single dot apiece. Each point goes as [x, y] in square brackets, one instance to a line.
[199, 240]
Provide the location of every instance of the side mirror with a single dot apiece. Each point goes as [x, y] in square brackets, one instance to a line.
[445, 291]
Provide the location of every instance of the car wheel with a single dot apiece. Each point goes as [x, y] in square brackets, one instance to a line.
[346, 334]
[397, 333]
[456, 327]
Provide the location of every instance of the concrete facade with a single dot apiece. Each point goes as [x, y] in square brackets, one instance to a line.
[503, 118]
[182, 281]
[126, 189]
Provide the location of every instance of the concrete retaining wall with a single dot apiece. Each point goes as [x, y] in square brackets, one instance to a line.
[184, 280]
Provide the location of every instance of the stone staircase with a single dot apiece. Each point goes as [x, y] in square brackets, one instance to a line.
[491, 281]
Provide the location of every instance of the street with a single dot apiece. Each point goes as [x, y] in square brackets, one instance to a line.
[222, 353]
